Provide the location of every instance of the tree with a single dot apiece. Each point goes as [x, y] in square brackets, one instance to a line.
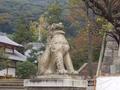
[110, 10]
[54, 13]
[26, 70]
[23, 34]
[77, 14]
[79, 50]
[33, 27]
[39, 29]
[82, 21]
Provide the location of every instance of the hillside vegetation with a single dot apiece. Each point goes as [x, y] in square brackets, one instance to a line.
[11, 10]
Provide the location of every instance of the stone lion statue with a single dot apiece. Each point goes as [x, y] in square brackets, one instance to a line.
[56, 58]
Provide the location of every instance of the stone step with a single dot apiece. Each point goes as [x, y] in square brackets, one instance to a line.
[11, 84]
[11, 80]
[11, 87]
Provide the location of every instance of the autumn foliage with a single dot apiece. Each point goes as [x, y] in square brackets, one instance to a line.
[79, 50]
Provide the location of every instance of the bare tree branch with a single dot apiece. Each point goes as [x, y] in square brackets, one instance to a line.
[110, 10]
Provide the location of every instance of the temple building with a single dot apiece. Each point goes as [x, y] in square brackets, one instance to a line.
[9, 56]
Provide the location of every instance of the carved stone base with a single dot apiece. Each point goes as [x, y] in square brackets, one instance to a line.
[64, 83]
[56, 88]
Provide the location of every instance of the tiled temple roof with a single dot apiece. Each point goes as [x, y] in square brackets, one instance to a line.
[5, 40]
[16, 56]
[11, 53]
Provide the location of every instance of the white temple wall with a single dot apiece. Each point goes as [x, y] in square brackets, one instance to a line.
[11, 72]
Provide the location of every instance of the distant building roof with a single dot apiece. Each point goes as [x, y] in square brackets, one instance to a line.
[5, 40]
[34, 46]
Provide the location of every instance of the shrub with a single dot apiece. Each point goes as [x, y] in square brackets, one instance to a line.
[26, 70]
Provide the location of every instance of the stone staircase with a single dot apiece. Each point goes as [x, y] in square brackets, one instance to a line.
[11, 84]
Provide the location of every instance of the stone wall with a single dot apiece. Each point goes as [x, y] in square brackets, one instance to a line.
[110, 57]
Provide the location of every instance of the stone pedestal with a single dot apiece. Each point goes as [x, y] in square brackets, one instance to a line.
[60, 83]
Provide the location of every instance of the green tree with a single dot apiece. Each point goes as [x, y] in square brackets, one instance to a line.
[23, 34]
[38, 28]
[54, 13]
[26, 70]
[33, 27]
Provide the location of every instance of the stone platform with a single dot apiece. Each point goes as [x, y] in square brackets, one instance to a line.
[55, 83]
